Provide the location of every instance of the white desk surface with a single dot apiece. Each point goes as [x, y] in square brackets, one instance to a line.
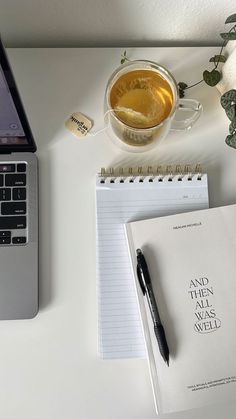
[49, 366]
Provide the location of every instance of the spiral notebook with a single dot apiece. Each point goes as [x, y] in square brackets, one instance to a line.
[121, 197]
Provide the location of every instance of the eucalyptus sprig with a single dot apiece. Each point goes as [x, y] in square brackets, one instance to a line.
[214, 76]
[228, 99]
[228, 102]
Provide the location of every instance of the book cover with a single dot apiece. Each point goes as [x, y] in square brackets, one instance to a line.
[191, 260]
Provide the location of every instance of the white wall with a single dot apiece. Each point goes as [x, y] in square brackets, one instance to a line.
[113, 22]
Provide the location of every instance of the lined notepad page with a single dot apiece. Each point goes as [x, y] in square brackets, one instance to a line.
[119, 323]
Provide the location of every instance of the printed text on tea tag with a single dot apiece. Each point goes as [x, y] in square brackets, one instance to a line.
[78, 124]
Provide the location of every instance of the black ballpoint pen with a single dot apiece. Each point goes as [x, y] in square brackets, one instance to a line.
[146, 287]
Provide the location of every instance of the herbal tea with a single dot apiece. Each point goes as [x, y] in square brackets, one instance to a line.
[141, 98]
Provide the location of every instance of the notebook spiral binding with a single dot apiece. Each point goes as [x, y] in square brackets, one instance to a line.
[150, 173]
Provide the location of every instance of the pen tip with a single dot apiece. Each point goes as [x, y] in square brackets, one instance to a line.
[167, 361]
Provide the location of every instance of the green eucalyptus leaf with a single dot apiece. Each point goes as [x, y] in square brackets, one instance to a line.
[230, 95]
[231, 112]
[231, 140]
[218, 59]
[231, 18]
[229, 36]
[228, 98]
[182, 85]
[232, 127]
[123, 58]
[211, 77]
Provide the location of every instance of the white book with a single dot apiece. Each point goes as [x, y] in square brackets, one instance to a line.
[120, 199]
[191, 260]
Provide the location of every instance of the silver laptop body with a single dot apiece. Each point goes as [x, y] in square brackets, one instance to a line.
[18, 204]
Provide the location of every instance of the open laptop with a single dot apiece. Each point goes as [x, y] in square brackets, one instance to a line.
[18, 204]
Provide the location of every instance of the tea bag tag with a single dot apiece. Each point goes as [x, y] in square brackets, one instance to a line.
[78, 124]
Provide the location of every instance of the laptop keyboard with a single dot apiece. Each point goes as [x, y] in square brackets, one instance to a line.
[13, 205]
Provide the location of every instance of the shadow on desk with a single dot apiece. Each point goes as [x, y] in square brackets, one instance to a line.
[45, 230]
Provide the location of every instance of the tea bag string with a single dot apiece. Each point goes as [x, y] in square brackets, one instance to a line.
[117, 110]
[94, 133]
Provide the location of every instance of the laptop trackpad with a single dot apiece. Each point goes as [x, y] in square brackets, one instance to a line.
[18, 282]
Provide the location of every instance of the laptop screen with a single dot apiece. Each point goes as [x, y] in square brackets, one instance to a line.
[15, 133]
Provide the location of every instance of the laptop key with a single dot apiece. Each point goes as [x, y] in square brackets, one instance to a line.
[21, 167]
[1, 180]
[13, 222]
[5, 240]
[7, 168]
[11, 208]
[5, 234]
[15, 180]
[5, 194]
[19, 194]
[19, 240]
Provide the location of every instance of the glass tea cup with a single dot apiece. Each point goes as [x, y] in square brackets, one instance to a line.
[141, 105]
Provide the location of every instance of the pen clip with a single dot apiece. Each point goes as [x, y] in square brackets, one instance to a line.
[141, 283]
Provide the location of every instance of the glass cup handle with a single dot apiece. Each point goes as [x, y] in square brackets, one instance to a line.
[191, 106]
